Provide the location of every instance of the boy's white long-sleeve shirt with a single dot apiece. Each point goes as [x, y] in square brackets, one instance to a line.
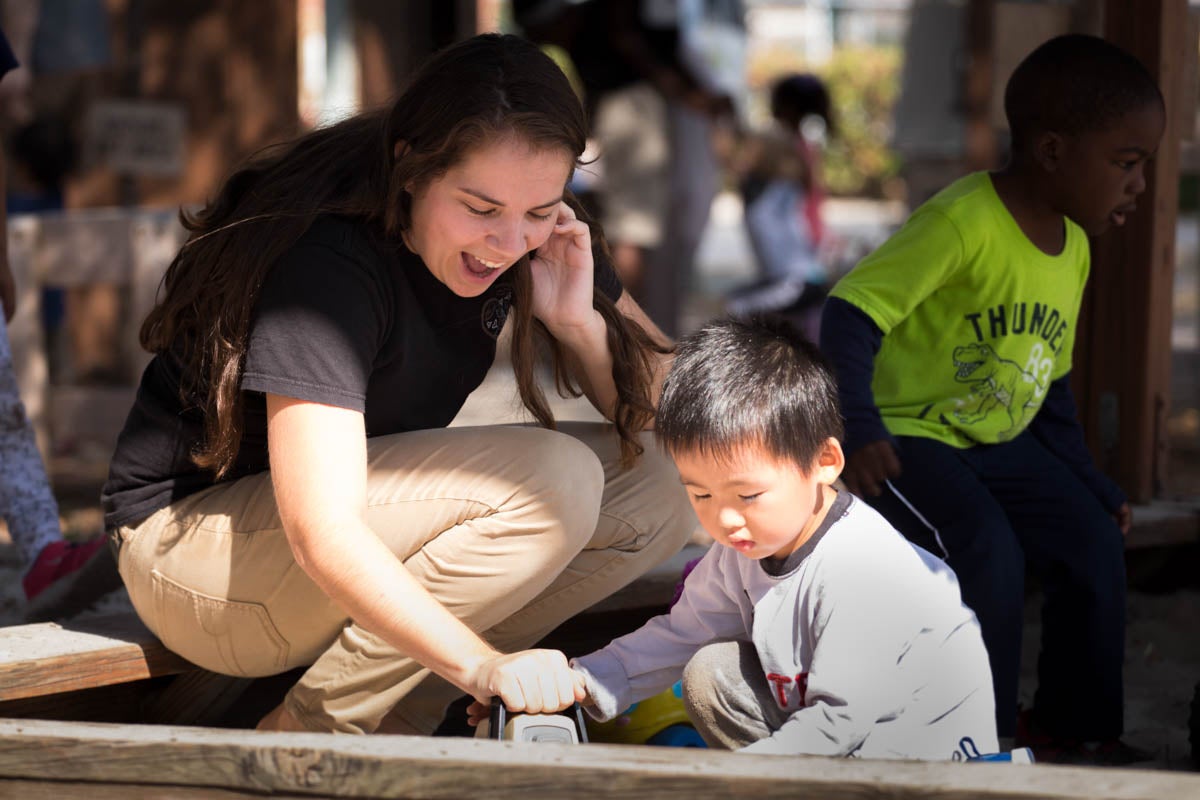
[862, 636]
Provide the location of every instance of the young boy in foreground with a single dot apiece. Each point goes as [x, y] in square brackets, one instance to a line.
[811, 626]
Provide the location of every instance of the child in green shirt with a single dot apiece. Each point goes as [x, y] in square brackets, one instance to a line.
[952, 348]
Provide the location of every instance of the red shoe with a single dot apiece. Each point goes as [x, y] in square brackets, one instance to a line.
[1052, 750]
[58, 560]
[1046, 749]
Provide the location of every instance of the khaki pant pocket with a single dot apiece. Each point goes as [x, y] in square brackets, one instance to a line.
[227, 636]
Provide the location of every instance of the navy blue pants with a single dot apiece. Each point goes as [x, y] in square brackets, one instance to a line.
[993, 510]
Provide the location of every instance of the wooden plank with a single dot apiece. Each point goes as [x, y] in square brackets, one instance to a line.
[50, 658]
[424, 767]
[75, 790]
[156, 240]
[81, 248]
[1124, 345]
[25, 336]
[77, 248]
[197, 698]
[1162, 523]
[122, 702]
[93, 415]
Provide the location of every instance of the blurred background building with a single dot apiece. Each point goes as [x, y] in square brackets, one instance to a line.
[126, 110]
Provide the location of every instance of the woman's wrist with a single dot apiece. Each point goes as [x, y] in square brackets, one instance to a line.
[467, 673]
[584, 338]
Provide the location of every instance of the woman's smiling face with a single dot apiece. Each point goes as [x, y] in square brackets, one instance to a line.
[483, 214]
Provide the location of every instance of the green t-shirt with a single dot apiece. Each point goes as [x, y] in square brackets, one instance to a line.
[977, 321]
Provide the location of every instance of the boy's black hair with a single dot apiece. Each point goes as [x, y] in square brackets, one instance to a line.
[1074, 84]
[800, 94]
[758, 383]
[47, 149]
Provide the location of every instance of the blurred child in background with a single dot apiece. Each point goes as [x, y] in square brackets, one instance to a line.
[782, 192]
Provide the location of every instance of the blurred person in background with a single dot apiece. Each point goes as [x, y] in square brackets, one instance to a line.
[652, 94]
[54, 578]
[782, 188]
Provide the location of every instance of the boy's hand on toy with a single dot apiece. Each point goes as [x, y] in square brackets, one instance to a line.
[1124, 518]
[530, 681]
[586, 700]
[869, 466]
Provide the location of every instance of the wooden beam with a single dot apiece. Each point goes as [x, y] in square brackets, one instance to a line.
[250, 763]
[1124, 348]
[67, 790]
[1163, 524]
[49, 658]
[118, 702]
[979, 137]
[26, 340]
[199, 697]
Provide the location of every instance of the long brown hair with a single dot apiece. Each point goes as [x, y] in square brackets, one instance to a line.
[467, 95]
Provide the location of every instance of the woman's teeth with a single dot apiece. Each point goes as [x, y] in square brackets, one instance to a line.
[480, 267]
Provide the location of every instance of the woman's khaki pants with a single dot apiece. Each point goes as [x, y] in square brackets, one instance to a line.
[513, 528]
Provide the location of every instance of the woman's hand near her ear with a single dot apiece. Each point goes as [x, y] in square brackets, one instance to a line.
[562, 280]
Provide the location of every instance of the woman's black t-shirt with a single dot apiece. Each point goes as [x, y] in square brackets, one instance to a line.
[345, 319]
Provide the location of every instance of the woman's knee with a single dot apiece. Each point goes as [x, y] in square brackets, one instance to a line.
[570, 481]
[559, 476]
[459, 473]
[652, 499]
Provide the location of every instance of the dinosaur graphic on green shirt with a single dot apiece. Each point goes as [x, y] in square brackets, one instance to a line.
[996, 382]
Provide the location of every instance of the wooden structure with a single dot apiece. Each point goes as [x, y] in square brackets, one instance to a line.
[40, 759]
[1123, 355]
[48, 658]
[127, 250]
[106, 668]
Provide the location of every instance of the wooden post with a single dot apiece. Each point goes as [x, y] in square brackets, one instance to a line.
[233, 68]
[979, 139]
[26, 342]
[1123, 352]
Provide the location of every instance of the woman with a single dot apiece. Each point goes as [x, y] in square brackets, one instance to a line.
[332, 309]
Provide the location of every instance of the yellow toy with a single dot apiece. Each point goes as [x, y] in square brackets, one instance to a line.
[657, 720]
